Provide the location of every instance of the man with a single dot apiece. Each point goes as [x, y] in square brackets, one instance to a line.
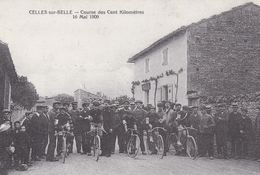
[246, 132]
[51, 130]
[5, 141]
[257, 129]
[83, 125]
[221, 130]
[119, 131]
[234, 132]
[27, 124]
[44, 126]
[108, 121]
[37, 133]
[139, 115]
[206, 129]
[75, 113]
[63, 119]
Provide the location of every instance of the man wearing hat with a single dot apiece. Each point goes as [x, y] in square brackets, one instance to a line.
[44, 120]
[74, 113]
[37, 133]
[206, 130]
[139, 115]
[221, 130]
[246, 133]
[257, 128]
[52, 138]
[108, 122]
[234, 120]
[83, 123]
[5, 143]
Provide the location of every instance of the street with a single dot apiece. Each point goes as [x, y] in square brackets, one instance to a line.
[121, 164]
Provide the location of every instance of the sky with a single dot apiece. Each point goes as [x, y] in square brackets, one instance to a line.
[59, 54]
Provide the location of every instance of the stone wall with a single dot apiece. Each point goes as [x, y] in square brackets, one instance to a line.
[224, 53]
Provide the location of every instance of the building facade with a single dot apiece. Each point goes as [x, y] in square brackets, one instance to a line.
[8, 76]
[219, 56]
[82, 96]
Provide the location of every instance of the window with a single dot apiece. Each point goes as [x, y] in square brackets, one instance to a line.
[147, 65]
[165, 57]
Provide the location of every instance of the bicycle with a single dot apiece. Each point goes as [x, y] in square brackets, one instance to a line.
[65, 145]
[96, 131]
[188, 140]
[157, 138]
[133, 145]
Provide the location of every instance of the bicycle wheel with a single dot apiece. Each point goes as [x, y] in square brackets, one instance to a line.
[133, 146]
[160, 146]
[171, 142]
[64, 150]
[191, 147]
[96, 147]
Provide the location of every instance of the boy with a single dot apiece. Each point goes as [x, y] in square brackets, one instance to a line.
[21, 143]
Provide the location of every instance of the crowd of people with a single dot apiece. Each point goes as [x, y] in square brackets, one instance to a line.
[36, 137]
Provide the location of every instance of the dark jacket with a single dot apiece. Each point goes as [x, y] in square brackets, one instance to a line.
[21, 140]
[96, 114]
[51, 123]
[83, 123]
[246, 128]
[108, 119]
[234, 120]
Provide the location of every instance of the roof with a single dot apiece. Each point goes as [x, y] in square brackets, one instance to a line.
[5, 55]
[182, 30]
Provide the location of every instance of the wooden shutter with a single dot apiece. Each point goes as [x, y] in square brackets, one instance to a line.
[170, 92]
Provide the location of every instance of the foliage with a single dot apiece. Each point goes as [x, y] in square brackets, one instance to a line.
[24, 93]
[64, 98]
[122, 99]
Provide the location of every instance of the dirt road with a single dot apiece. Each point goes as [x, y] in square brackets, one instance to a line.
[150, 165]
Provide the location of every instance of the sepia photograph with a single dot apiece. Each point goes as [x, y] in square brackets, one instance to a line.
[138, 87]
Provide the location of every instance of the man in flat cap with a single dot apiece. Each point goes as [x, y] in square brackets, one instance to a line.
[221, 130]
[234, 120]
[206, 129]
[52, 138]
[44, 117]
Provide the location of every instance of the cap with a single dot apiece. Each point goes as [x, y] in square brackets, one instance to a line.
[85, 104]
[65, 103]
[56, 102]
[138, 101]
[132, 103]
[126, 102]
[40, 107]
[208, 107]
[96, 103]
[62, 107]
[159, 105]
[6, 111]
[74, 103]
[177, 104]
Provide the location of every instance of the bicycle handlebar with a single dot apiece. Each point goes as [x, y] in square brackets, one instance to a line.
[156, 128]
[188, 128]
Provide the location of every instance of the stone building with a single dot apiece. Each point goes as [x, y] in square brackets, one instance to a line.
[219, 56]
[82, 96]
[8, 76]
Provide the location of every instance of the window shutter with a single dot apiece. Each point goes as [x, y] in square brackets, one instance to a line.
[159, 94]
[170, 92]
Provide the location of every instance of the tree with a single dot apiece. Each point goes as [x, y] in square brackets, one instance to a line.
[24, 93]
[64, 98]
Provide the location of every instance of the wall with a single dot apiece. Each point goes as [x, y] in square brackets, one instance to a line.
[224, 53]
[177, 53]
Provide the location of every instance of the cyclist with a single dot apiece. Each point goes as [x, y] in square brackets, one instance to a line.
[63, 122]
[96, 117]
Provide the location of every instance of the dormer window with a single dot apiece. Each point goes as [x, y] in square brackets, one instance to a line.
[165, 57]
